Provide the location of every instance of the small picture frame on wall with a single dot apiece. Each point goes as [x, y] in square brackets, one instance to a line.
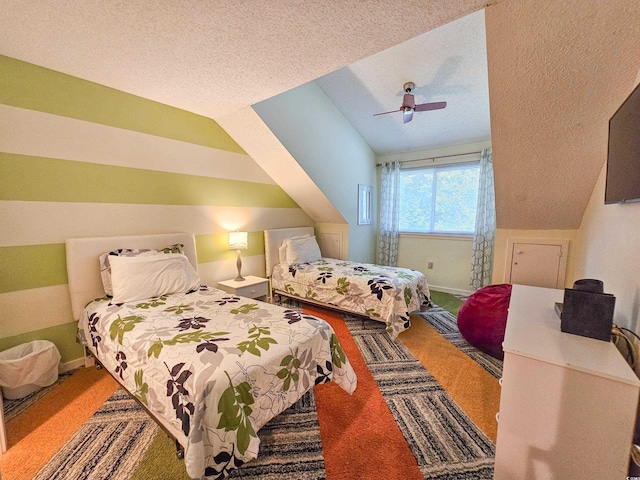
[364, 204]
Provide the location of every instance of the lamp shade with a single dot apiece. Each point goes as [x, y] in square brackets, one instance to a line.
[238, 241]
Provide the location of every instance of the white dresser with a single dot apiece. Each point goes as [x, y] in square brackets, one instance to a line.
[568, 403]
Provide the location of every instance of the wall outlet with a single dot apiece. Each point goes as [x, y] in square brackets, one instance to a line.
[429, 265]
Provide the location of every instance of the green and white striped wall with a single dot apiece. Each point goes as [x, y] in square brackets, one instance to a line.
[80, 159]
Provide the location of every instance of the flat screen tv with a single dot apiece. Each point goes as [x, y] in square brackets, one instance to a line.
[623, 159]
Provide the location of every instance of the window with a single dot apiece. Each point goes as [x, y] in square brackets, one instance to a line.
[439, 199]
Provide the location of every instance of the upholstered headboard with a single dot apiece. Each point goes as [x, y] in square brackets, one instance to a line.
[83, 267]
[272, 241]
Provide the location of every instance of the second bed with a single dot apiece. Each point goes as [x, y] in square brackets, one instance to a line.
[386, 294]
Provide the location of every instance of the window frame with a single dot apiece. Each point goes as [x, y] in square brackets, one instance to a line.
[445, 165]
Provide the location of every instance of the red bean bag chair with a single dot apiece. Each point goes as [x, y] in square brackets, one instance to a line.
[482, 318]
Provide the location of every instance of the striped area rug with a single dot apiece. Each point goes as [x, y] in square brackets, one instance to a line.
[121, 442]
[446, 444]
[106, 446]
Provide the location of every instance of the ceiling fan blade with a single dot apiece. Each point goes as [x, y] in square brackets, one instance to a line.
[423, 107]
[407, 116]
[384, 113]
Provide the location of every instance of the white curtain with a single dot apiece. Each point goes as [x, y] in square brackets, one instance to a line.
[389, 206]
[484, 239]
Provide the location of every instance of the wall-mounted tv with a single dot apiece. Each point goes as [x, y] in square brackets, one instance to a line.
[623, 159]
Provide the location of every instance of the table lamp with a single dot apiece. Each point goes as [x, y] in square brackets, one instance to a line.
[238, 241]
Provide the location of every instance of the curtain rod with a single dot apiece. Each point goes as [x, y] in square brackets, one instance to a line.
[433, 158]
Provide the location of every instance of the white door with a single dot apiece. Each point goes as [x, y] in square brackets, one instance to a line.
[538, 265]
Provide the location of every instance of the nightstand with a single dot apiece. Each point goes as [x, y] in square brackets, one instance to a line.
[252, 287]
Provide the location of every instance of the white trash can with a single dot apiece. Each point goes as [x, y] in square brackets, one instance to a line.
[27, 368]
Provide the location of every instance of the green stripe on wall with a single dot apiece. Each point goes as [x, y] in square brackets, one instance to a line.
[32, 266]
[37, 88]
[64, 336]
[29, 178]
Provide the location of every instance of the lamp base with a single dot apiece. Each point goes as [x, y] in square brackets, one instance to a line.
[239, 278]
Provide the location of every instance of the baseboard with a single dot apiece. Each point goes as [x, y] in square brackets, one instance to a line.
[452, 291]
[72, 365]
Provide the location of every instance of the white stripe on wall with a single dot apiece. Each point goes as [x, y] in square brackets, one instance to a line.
[28, 132]
[34, 223]
[35, 309]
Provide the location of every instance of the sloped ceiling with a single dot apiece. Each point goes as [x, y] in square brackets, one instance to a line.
[212, 57]
[448, 64]
[557, 70]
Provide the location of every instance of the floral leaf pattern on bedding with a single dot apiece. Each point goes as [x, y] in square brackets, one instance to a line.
[289, 373]
[244, 309]
[189, 337]
[324, 375]
[342, 287]
[408, 295]
[141, 387]
[386, 294]
[178, 364]
[180, 395]
[93, 332]
[378, 285]
[234, 412]
[122, 325]
[179, 309]
[293, 316]
[121, 363]
[195, 322]
[258, 339]
[154, 302]
[337, 354]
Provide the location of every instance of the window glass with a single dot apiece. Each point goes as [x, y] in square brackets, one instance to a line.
[439, 199]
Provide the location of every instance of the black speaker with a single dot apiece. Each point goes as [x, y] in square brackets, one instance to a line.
[588, 312]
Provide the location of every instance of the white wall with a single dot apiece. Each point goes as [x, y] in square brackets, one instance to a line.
[450, 256]
[330, 151]
[608, 247]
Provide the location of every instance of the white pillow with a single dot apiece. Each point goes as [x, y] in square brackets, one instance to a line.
[142, 277]
[303, 250]
[105, 266]
[282, 250]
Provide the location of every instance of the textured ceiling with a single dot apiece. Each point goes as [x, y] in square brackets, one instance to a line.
[553, 87]
[557, 70]
[212, 57]
[448, 64]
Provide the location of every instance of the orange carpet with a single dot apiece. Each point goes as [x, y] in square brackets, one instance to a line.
[37, 433]
[360, 438]
[475, 390]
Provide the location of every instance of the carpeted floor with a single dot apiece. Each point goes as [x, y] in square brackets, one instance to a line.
[443, 418]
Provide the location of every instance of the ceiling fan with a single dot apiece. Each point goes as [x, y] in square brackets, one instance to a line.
[409, 105]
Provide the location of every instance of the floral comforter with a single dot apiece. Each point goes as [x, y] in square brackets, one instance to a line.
[387, 294]
[214, 367]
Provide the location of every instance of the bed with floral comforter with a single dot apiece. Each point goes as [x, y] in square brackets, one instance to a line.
[213, 368]
[387, 294]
